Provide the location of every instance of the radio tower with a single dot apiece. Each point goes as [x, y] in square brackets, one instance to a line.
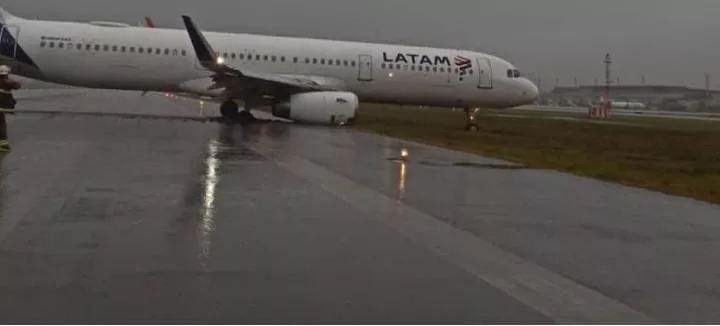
[608, 64]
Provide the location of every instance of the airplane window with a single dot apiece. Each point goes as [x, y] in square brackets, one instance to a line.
[282, 59]
[345, 63]
[241, 56]
[470, 71]
[273, 58]
[149, 51]
[510, 73]
[517, 73]
[140, 50]
[122, 48]
[232, 55]
[382, 66]
[97, 47]
[322, 61]
[79, 46]
[132, 49]
[51, 44]
[295, 59]
[114, 48]
[42, 44]
[427, 68]
[70, 46]
[314, 61]
[434, 69]
[442, 69]
[61, 45]
[307, 60]
[257, 57]
[225, 55]
[167, 51]
[412, 68]
[266, 58]
[158, 51]
[352, 63]
[337, 62]
[330, 62]
[175, 52]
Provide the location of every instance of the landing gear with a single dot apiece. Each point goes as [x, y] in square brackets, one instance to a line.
[471, 124]
[229, 111]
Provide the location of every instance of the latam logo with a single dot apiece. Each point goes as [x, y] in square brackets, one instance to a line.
[463, 64]
[414, 58]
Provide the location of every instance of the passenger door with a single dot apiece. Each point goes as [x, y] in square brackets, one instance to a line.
[484, 73]
[365, 67]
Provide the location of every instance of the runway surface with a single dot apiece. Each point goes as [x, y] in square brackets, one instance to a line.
[115, 219]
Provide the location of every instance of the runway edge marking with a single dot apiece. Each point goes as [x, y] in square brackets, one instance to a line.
[557, 297]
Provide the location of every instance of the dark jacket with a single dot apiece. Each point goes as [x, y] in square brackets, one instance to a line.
[7, 85]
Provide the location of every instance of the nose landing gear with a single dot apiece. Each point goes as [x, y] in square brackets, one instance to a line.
[471, 123]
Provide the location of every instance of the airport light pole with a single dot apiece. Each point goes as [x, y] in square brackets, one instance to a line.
[608, 63]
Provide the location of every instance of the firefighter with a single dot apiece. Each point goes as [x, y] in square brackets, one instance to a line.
[7, 102]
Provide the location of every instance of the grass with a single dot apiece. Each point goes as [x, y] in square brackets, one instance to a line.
[679, 157]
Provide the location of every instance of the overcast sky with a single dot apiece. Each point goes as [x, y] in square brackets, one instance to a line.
[669, 41]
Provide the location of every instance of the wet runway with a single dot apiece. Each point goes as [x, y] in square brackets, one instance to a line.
[109, 218]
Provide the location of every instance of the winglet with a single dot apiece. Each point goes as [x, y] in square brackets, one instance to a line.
[203, 50]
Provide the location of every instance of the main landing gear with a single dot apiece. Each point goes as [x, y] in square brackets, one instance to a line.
[471, 123]
[230, 112]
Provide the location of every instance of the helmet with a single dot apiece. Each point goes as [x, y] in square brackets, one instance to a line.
[4, 70]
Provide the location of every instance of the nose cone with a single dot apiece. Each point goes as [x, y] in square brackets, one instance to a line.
[530, 91]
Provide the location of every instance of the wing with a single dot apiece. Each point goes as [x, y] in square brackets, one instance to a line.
[233, 80]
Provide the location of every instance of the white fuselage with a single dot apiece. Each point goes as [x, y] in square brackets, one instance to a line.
[155, 59]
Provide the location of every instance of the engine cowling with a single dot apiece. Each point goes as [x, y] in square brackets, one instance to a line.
[332, 108]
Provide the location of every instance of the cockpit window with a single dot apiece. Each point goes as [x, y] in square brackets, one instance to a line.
[513, 73]
[517, 73]
[510, 73]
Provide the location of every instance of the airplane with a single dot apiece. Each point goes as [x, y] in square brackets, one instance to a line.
[305, 80]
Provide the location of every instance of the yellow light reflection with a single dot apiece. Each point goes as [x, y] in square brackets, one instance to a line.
[207, 225]
[401, 183]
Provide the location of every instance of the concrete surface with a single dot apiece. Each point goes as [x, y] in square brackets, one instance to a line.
[114, 219]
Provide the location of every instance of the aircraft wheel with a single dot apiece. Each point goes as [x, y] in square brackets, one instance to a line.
[229, 109]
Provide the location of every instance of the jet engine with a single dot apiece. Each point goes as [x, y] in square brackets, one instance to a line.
[328, 108]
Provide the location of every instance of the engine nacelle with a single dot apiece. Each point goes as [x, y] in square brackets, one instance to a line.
[333, 108]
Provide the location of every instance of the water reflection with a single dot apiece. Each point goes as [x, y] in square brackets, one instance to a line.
[401, 182]
[210, 181]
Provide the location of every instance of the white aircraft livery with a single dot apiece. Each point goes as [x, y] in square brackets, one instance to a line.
[301, 79]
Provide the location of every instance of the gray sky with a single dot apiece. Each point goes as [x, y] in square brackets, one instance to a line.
[669, 41]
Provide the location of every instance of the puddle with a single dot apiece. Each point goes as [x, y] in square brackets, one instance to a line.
[499, 166]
